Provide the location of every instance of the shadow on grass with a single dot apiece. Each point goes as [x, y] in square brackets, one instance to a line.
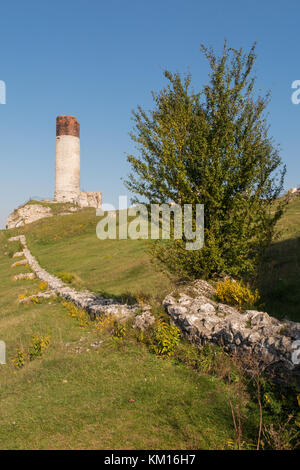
[279, 280]
[124, 298]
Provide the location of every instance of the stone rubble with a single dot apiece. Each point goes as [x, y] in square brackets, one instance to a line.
[26, 276]
[275, 344]
[18, 254]
[144, 320]
[39, 295]
[22, 262]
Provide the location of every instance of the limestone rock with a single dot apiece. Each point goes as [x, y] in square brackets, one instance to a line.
[294, 190]
[202, 287]
[144, 320]
[249, 333]
[18, 254]
[26, 276]
[28, 214]
[31, 212]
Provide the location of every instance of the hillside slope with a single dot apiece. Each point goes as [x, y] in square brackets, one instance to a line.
[279, 275]
[87, 391]
[68, 244]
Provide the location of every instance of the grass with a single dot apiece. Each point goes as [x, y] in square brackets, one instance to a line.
[117, 396]
[124, 268]
[279, 274]
[56, 207]
[68, 244]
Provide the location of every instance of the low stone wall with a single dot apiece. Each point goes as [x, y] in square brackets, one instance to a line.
[93, 304]
[275, 344]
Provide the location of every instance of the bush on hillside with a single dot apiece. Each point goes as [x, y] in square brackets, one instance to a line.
[211, 147]
[236, 293]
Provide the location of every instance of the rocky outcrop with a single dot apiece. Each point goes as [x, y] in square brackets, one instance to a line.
[28, 214]
[275, 344]
[31, 212]
[24, 276]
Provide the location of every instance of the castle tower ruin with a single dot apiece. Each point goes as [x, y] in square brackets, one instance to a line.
[67, 181]
[67, 176]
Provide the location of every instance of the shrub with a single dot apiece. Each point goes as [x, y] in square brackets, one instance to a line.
[22, 297]
[211, 146]
[110, 324]
[165, 338]
[43, 286]
[208, 359]
[78, 313]
[119, 330]
[20, 359]
[66, 277]
[35, 300]
[38, 345]
[236, 293]
[105, 323]
[283, 436]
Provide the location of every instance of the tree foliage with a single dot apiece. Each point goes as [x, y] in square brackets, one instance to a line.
[212, 147]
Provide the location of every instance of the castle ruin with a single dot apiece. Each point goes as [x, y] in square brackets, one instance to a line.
[67, 179]
[67, 175]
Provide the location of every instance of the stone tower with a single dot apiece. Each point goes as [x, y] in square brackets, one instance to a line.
[67, 181]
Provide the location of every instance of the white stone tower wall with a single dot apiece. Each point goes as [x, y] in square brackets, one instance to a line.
[67, 181]
[67, 188]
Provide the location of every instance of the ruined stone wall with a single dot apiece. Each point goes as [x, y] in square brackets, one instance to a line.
[67, 178]
[90, 199]
[274, 344]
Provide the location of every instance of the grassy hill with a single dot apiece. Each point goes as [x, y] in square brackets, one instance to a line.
[113, 396]
[124, 267]
[116, 395]
[110, 267]
[279, 275]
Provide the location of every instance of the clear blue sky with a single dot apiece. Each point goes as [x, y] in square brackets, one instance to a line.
[98, 59]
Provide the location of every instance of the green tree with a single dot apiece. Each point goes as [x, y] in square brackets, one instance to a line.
[213, 148]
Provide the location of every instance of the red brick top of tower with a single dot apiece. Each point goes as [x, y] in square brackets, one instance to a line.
[67, 125]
